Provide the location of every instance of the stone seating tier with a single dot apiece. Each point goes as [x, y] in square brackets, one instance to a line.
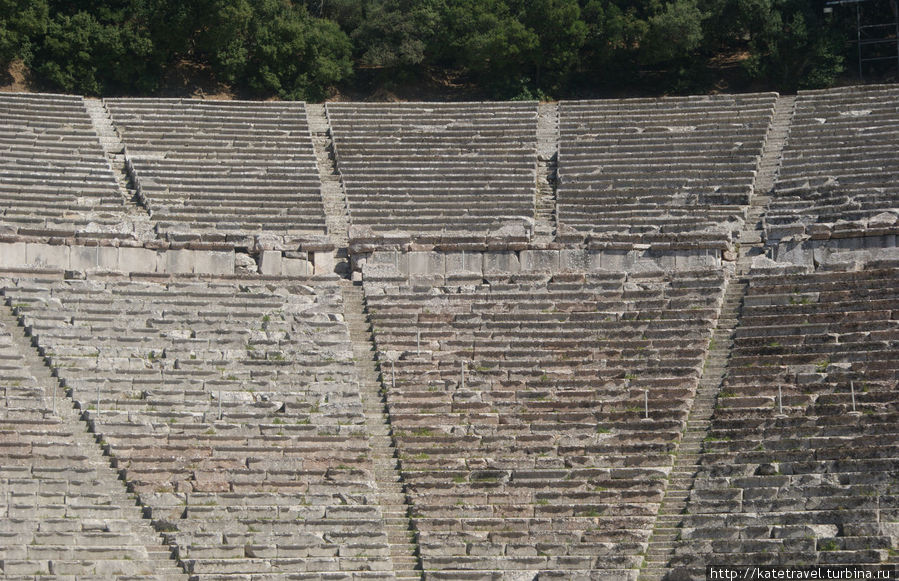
[839, 167]
[62, 514]
[482, 157]
[228, 408]
[53, 172]
[542, 450]
[810, 485]
[209, 168]
[650, 167]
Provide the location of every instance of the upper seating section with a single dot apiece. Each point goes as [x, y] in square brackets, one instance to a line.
[840, 169]
[649, 171]
[519, 414]
[231, 409]
[54, 177]
[815, 484]
[437, 171]
[222, 170]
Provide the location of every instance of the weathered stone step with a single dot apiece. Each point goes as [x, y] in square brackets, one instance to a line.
[652, 574]
[671, 511]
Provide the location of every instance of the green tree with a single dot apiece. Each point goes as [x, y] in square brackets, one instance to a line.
[394, 34]
[274, 47]
[674, 33]
[81, 54]
[512, 46]
[171, 25]
[21, 22]
[791, 46]
[615, 33]
[561, 34]
[484, 38]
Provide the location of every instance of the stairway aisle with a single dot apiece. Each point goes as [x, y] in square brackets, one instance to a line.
[333, 191]
[392, 497]
[686, 464]
[545, 214]
[114, 149]
[769, 166]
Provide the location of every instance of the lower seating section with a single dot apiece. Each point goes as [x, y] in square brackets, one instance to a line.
[60, 514]
[840, 169]
[436, 170]
[222, 170]
[517, 405]
[54, 177]
[660, 171]
[815, 484]
[230, 408]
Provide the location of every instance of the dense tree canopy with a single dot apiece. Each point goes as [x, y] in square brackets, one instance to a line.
[500, 48]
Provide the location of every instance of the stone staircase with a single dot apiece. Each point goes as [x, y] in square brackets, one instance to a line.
[128, 519]
[333, 192]
[769, 165]
[392, 497]
[686, 464]
[547, 172]
[114, 149]
[666, 531]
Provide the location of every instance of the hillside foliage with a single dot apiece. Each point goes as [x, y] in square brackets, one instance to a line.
[504, 48]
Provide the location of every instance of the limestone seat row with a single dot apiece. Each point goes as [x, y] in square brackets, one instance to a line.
[436, 167]
[838, 177]
[62, 514]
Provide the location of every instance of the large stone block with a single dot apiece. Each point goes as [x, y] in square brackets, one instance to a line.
[795, 252]
[418, 263]
[652, 262]
[214, 262]
[12, 254]
[325, 262]
[469, 262]
[179, 261]
[698, 259]
[270, 262]
[611, 259]
[137, 260]
[540, 260]
[46, 255]
[107, 258]
[575, 259]
[426, 263]
[84, 257]
[296, 267]
[398, 260]
[501, 261]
